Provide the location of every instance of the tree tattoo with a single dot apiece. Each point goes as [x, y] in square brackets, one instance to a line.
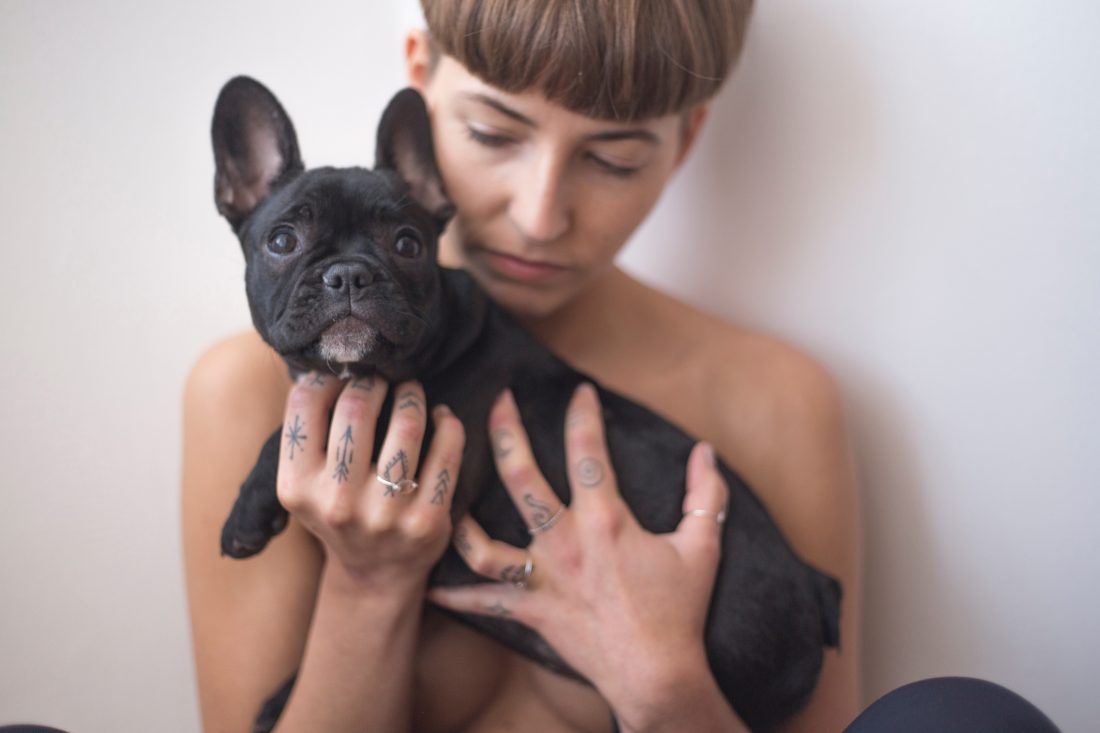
[400, 459]
[294, 436]
[589, 472]
[344, 455]
[443, 481]
[540, 512]
[503, 442]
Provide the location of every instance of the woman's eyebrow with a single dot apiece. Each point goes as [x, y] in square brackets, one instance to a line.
[637, 133]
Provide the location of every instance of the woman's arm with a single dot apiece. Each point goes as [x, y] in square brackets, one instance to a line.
[348, 607]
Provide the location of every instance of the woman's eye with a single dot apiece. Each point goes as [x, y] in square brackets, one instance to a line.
[487, 139]
[612, 168]
[407, 246]
[282, 241]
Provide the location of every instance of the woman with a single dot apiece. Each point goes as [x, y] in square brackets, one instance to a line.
[557, 127]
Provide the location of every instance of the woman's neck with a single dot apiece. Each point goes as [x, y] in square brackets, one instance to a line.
[594, 325]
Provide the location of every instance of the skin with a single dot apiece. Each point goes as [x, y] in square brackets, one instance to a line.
[342, 592]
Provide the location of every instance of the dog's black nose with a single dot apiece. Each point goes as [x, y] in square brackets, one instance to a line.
[348, 277]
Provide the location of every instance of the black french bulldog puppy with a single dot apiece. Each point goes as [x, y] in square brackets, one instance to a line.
[341, 276]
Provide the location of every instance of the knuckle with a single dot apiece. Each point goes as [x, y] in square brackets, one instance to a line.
[406, 428]
[355, 407]
[422, 526]
[520, 475]
[339, 513]
[604, 520]
[480, 562]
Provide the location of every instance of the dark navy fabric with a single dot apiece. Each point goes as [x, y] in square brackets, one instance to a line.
[949, 705]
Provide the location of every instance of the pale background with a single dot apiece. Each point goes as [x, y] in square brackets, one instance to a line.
[906, 190]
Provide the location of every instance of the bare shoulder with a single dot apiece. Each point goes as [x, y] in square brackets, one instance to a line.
[777, 416]
[239, 375]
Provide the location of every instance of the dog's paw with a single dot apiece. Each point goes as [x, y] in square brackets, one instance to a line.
[240, 541]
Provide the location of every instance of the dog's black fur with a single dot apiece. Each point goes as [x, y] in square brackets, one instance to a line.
[343, 262]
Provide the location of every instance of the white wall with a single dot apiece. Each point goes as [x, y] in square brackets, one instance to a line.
[903, 189]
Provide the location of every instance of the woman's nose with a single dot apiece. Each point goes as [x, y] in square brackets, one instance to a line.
[540, 208]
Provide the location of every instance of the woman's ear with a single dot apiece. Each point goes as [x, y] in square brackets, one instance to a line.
[418, 58]
[691, 124]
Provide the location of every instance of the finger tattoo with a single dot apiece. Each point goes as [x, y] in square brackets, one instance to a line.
[363, 384]
[442, 482]
[498, 609]
[503, 442]
[344, 455]
[410, 401]
[400, 459]
[589, 472]
[512, 573]
[540, 512]
[462, 541]
[317, 380]
[294, 436]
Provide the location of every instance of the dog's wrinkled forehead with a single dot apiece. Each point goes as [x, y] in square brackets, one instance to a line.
[340, 201]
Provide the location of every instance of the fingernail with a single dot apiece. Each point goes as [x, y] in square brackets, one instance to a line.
[708, 453]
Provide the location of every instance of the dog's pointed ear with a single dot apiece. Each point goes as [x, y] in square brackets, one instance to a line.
[405, 146]
[255, 148]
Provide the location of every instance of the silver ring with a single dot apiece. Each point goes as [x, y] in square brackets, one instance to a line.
[720, 517]
[404, 486]
[528, 568]
[548, 523]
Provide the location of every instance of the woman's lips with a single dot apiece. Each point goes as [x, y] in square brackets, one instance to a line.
[517, 268]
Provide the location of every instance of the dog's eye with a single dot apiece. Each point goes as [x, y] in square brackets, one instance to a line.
[282, 241]
[407, 245]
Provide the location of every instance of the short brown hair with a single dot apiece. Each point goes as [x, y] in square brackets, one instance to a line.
[609, 59]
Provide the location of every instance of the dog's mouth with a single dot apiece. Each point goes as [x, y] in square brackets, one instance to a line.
[347, 341]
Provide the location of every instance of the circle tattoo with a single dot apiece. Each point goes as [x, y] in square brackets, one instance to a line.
[589, 472]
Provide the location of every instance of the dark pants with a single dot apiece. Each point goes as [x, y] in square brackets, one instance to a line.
[952, 705]
[938, 705]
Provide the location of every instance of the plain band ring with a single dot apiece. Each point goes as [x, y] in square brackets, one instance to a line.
[720, 517]
[528, 568]
[404, 486]
[548, 523]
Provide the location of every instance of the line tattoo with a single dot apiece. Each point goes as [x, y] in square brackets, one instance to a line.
[410, 401]
[399, 458]
[462, 541]
[498, 609]
[294, 436]
[503, 442]
[363, 384]
[344, 456]
[512, 574]
[589, 472]
[443, 482]
[317, 380]
[540, 512]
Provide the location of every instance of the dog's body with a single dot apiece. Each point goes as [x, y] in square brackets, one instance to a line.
[341, 269]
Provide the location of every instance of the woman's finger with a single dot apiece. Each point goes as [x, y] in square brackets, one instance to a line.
[590, 471]
[491, 558]
[351, 438]
[488, 599]
[440, 473]
[540, 506]
[397, 461]
[705, 502]
[305, 433]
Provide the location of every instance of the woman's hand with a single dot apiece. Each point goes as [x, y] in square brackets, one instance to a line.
[625, 607]
[380, 528]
